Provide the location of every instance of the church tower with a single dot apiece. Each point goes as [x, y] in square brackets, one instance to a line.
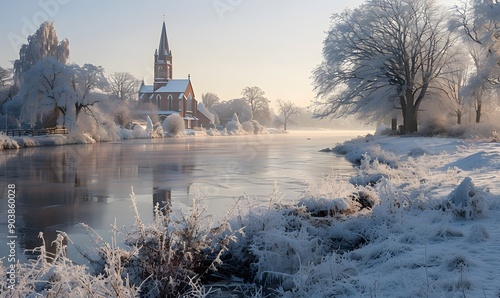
[163, 61]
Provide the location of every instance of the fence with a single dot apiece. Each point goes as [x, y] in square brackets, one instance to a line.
[37, 132]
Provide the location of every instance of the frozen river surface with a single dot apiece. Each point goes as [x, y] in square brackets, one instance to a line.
[59, 187]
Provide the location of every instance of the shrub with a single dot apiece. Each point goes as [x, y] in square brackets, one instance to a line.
[234, 127]
[174, 125]
[248, 127]
[171, 256]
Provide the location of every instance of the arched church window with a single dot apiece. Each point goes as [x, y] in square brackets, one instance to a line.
[170, 102]
[158, 101]
[189, 103]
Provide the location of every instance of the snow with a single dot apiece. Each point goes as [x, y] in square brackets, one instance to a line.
[149, 124]
[419, 219]
[176, 85]
[146, 89]
[202, 109]
[435, 231]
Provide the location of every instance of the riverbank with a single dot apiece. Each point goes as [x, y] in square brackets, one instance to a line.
[434, 231]
[139, 132]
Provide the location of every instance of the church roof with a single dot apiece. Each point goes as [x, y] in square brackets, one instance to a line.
[146, 89]
[163, 49]
[177, 85]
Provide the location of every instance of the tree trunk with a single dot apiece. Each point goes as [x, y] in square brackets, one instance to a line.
[478, 113]
[410, 115]
[459, 118]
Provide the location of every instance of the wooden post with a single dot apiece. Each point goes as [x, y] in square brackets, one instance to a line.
[394, 124]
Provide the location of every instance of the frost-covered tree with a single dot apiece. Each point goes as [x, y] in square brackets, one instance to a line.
[46, 92]
[453, 85]
[381, 56]
[225, 110]
[259, 104]
[87, 80]
[124, 86]
[55, 93]
[43, 43]
[480, 21]
[287, 110]
[209, 99]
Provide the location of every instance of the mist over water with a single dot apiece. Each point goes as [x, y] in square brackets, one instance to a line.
[60, 187]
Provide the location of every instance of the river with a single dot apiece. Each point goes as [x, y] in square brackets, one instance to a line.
[62, 186]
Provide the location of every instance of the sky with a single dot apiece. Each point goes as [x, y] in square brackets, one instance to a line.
[225, 45]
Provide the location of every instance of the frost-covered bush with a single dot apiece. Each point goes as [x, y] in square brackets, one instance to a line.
[174, 125]
[170, 256]
[157, 131]
[248, 127]
[466, 201]
[139, 132]
[98, 125]
[253, 127]
[135, 131]
[384, 130]
[213, 132]
[7, 143]
[356, 152]
[226, 109]
[234, 127]
[54, 275]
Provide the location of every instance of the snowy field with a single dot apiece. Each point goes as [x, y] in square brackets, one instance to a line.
[434, 231]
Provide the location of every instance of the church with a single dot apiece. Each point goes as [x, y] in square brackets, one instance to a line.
[171, 96]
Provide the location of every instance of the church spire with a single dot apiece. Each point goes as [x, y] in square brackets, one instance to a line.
[163, 61]
[163, 49]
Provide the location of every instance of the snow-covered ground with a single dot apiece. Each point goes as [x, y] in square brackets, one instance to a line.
[434, 230]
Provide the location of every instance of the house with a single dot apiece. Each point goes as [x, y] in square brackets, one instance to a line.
[171, 96]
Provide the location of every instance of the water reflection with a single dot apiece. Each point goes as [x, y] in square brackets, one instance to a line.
[162, 199]
[59, 187]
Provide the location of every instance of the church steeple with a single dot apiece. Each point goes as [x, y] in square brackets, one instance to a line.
[163, 60]
[163, 49]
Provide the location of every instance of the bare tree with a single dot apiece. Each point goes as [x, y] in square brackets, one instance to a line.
[209, 99]
[124, 86]
[287, 110]
[258, 103]
[453, 84]
[381, 56]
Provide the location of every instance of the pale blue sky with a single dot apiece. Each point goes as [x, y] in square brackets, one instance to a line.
[226, 45]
